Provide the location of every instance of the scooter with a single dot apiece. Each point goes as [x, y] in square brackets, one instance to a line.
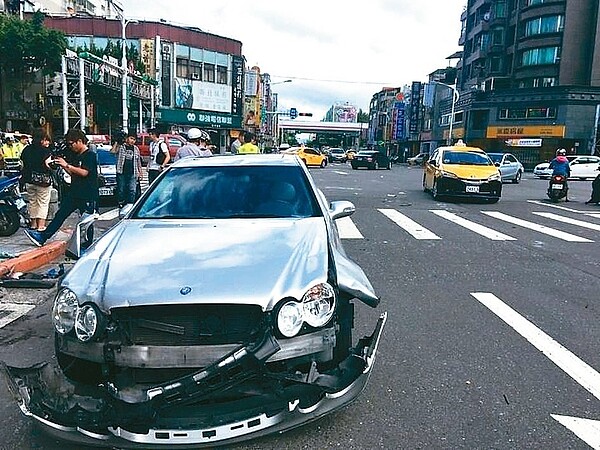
[557, 188]
[13, 209]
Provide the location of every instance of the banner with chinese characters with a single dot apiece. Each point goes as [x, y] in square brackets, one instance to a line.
[195, 94]
[511, 131]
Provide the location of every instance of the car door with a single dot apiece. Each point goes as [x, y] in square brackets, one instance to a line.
[429, 170]
[508, 167]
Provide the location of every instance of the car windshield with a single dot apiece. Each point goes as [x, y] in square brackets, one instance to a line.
[230, 192]
[337, 150]
[466, 158]
[106, 158]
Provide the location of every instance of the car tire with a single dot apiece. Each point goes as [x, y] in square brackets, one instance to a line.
[389, 165]
[424, 185]
[323, 163]
[354, 167]
[517, 177]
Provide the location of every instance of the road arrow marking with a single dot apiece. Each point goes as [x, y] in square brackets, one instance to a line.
[586, 429]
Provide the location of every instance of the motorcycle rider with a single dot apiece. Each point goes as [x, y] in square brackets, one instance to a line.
[560, 166]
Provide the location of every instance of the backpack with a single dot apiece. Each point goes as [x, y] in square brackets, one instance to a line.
[161, 155]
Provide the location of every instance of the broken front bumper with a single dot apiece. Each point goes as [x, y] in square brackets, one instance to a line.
[98, 415]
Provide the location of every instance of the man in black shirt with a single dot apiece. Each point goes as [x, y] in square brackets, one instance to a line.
[82, 165]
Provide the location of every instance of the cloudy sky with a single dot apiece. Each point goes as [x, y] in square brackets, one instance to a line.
[333, 50]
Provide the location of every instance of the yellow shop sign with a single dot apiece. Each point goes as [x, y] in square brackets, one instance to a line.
[526, 131]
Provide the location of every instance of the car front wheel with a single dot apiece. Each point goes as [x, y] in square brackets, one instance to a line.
[517, 177]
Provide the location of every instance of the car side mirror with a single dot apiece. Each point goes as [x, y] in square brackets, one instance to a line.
[82, 237]
[341, 208]
[497, 164]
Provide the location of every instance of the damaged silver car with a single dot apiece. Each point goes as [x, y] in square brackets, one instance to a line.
[219, 309]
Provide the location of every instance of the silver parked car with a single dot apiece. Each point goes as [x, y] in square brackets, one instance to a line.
[510, 167]
[220, 308]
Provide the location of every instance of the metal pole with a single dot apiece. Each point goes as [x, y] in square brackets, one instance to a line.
[65, 94]
[140, 126]
[152, 111]
[82, 111]
[454, 100]
[124, 75]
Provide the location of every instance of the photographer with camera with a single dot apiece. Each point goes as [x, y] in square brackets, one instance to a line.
[82, 194]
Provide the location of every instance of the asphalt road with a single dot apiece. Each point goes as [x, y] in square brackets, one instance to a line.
[492, 334]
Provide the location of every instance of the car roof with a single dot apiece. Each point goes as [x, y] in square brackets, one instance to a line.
[272, 159]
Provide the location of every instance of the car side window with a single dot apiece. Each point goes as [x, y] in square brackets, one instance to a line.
[175, 142]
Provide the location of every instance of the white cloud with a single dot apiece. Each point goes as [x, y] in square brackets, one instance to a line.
[334, 50]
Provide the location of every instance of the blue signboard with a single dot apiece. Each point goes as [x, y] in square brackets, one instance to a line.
[399, 116]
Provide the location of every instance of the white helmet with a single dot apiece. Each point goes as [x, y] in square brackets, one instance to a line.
[198, 134]
[561, 152]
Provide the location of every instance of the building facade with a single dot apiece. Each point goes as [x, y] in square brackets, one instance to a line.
[199, 77]
[528, 77]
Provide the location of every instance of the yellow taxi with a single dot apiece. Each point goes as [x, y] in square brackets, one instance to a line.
[462, 171]
[308, 155]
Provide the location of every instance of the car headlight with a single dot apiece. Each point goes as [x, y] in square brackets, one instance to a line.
[87, 322]
[495, 177]
[64, 311]
[289, 319]
[318, 304]
[448, 174]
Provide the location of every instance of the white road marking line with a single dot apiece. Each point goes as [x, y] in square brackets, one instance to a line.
[536, 227]
[581, 372]
[340, 172]
[14, 310]
[594, 215]
[579, 223]
[347, 229]
[477, 228]
[564, 208]
[586, 429]
[409, 225]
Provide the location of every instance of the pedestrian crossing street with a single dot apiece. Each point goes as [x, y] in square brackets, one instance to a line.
[565, 224]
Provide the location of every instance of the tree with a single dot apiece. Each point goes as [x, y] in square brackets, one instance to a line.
[362, 116]
[27, 46]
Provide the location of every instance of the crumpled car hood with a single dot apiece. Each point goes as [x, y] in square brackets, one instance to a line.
[235, 261]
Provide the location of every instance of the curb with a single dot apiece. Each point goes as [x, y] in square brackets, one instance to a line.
[33, 259]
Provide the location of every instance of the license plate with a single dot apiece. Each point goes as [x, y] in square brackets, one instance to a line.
[20, 203]
[557, 186]
[105, 191]
[472, 189]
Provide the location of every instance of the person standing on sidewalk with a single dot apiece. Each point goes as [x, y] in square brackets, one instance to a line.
[159, 155]
[37, 178]
[196, 146]
[129, 168]
[249, 147]
[82, 194]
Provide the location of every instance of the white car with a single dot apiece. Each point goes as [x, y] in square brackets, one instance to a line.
[582, 167]
[510, 167]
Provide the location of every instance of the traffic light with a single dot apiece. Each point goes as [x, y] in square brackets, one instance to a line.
[293, 113]
[305, 114]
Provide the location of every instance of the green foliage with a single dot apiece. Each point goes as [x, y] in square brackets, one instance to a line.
[27, 46]
[362, 117]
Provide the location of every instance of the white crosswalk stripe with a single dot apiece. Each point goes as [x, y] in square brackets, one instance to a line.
[347, 229]
[409, 225]
[579, 223]
[536, 227]
[475, 227]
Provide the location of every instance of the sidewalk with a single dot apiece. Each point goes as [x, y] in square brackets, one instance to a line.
[28, 257]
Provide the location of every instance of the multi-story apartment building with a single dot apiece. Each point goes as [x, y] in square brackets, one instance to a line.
[529, 77]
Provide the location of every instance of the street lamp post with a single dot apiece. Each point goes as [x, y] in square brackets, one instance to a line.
[124, 69]
[455, 97]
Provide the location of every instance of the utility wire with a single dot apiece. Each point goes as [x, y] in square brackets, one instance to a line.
[331, 81]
